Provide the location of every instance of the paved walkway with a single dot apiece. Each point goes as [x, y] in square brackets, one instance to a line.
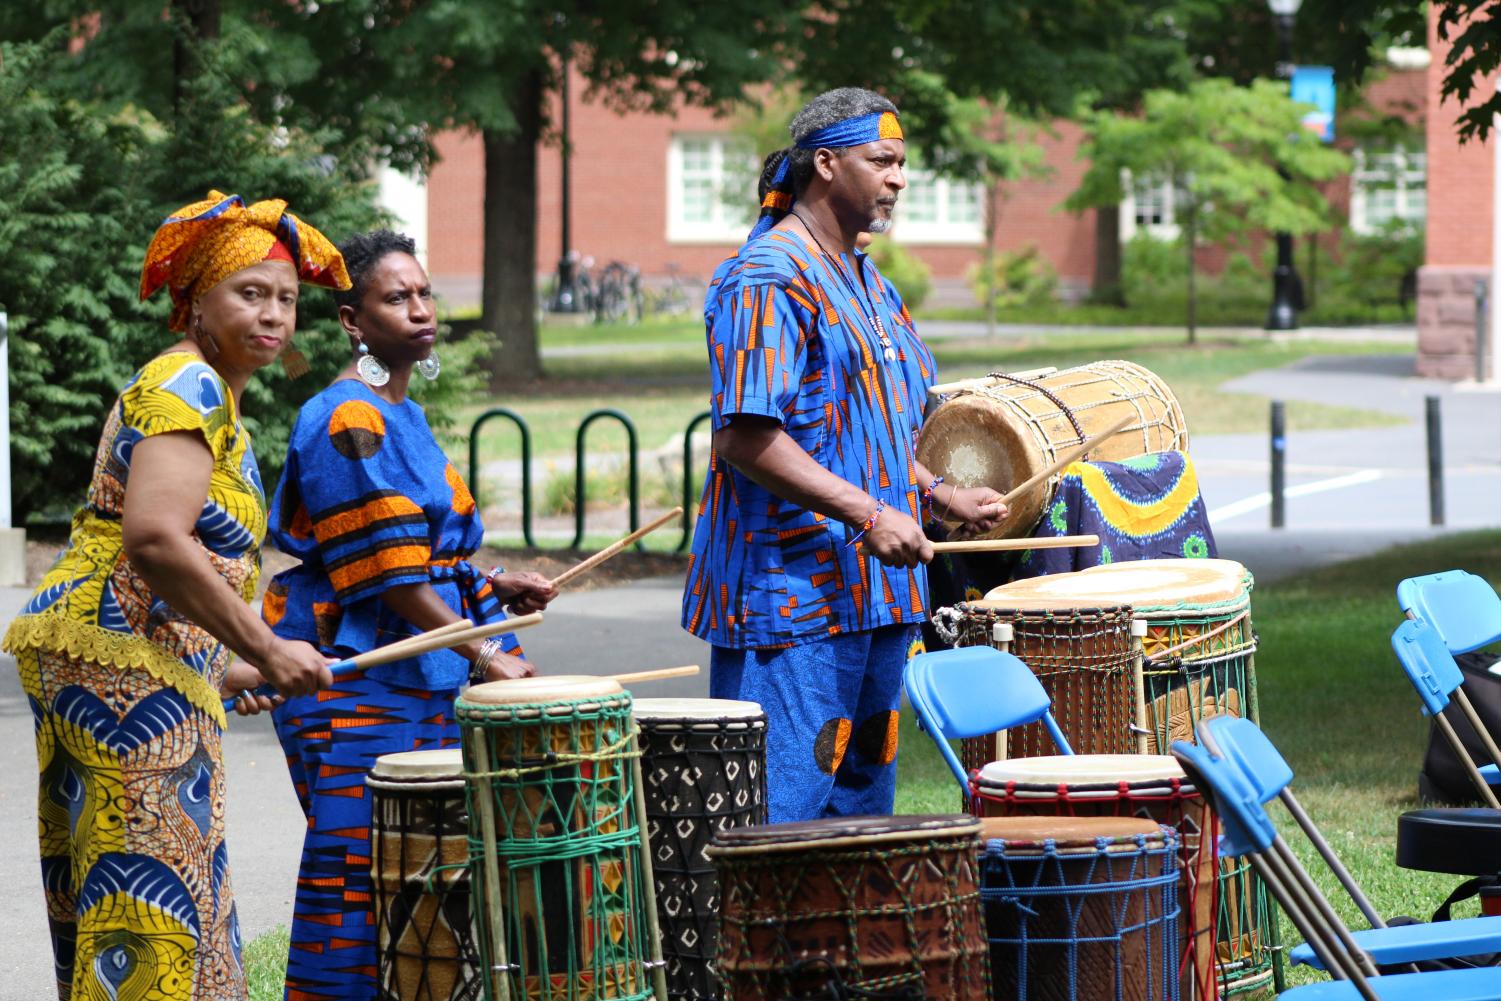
[635, 626]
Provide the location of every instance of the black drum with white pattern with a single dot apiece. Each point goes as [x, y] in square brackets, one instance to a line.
[703, 766]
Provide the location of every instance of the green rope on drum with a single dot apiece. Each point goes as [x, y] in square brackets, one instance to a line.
[561, 790]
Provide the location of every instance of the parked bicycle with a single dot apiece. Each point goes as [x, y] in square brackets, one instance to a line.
[611, 295]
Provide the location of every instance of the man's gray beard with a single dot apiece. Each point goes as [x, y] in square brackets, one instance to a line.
[879, 225]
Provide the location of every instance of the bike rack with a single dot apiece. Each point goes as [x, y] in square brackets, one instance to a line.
[688, 508]
[580, 487]
[526, 463]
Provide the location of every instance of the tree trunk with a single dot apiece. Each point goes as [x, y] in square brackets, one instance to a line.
[199, 20]
[1107, 287]
[508, 295]
[1191, 238]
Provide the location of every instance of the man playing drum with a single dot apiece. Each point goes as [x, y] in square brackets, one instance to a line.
[808, 573]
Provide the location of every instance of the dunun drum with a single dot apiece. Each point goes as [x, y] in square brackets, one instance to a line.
[419, 845]
[1198, 661]
[874, 907]
[1146, 786]
[1003, 430]
[1085, 659]
[562, 880]
[1081, 908]
[703, 764]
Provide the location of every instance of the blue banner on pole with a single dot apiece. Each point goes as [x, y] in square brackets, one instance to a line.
[1315, 85]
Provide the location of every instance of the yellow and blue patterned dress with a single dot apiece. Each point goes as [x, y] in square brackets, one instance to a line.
[124, 694]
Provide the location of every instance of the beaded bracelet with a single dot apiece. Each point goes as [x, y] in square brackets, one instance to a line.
[927, 495]
[869, 522]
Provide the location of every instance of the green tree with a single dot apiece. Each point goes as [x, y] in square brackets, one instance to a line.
[1473, 30]
[1238, 157]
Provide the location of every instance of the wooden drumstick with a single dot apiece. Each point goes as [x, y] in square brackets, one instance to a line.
[443, 637]
[1006, 545]
[1066, 459]
[614, 548]
[659, 674]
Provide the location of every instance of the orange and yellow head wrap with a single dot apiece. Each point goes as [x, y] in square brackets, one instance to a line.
[201, 244]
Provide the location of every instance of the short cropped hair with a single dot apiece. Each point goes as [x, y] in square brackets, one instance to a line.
[362, 253]
[824, 110]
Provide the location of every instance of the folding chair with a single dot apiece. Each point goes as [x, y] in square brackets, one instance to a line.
[1241, 771]
[1466, 613]
[1421, 651]
[972, 691]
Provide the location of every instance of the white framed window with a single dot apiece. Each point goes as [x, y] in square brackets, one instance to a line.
[939, 210]
[1151, 207]
[705, 177]
[1390, 185]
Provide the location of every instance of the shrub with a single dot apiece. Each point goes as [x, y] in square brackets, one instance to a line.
[1017, 277]
[912, 278]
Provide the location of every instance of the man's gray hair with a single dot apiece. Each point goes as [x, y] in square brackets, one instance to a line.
[824, 110]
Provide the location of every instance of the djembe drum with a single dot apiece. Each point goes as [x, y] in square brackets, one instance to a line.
[1085, 658]
[884, 906]
[1148, 786]
[1002, 430]
[562, 878]
[1081, 908]
[419, 852]
[1198, 660]
[703, 765]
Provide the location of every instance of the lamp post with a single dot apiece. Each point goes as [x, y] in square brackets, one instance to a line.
[565, 297]
[1287, 287]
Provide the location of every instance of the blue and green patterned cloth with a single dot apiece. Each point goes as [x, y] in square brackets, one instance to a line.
[1146, 508]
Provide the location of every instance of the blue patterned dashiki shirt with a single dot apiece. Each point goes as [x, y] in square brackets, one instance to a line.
[368, 501]
[789, 339]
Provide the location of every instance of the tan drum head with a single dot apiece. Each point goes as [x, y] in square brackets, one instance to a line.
[1065, 828]
[547, 688]
[704, 709]
[1082, 770]
[1142, 584]
[443, 764]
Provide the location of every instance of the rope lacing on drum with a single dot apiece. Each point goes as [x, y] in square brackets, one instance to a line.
[1063, 408]
[837, 990]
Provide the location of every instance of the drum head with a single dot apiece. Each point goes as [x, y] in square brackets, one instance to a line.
[1033, 829]
[443, 764]
[1143, 584]
[548, 688]
[842, 832]
[1082, 770]
[704, 709]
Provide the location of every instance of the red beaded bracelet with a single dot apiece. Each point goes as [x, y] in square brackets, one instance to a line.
[869, 522]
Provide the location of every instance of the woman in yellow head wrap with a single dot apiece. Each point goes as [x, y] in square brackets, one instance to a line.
[125, 647]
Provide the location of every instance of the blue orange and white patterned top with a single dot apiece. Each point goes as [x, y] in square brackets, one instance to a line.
[792, 340]
[369, 501]
[92, 604]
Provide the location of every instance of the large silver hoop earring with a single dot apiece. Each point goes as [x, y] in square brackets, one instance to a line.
[429, 367]
[371, 369]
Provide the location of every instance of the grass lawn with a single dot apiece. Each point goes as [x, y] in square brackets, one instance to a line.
[1339, 709]
[1333, 700]
[663, 387]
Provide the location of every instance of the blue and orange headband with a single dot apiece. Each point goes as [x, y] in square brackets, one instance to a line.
[857, 131]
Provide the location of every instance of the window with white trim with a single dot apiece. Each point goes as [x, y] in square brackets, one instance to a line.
[1389, 186]
[1150, 207]
[937, 209]
[706, 175]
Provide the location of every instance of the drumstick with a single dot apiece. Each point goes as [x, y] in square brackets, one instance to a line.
[1066, 458]
[451, 635]
[578, 569]
[1005, 545]
[658, 675]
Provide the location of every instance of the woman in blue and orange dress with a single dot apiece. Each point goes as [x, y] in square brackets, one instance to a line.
[125, 648]
[384, 527]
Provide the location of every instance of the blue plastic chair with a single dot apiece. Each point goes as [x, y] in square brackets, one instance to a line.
[972, 691]
[1240, 770]
[1465, 611]
[1421, 651]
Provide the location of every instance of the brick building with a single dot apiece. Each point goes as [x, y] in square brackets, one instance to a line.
[649, 190]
